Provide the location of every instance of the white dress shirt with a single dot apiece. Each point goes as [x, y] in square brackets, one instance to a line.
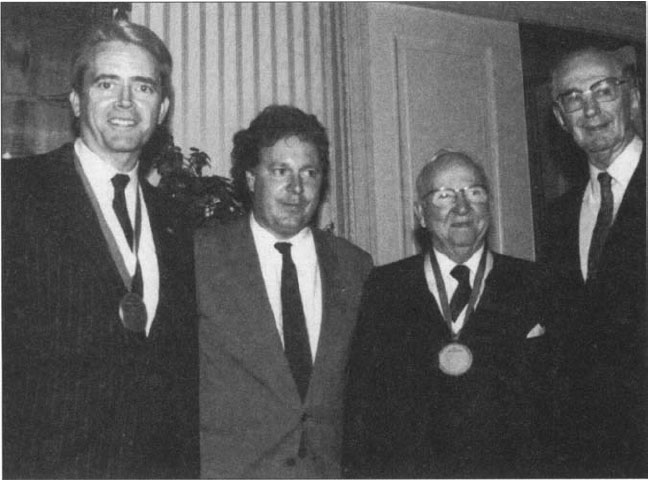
[446, 265]
[99, 174]
[304, 257]
[621, 172]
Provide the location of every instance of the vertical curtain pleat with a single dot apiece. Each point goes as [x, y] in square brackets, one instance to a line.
[233, 59]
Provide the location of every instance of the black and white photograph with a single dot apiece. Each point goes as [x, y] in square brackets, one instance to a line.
[275, 240]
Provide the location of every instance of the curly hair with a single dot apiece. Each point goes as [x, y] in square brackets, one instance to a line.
[274, 123]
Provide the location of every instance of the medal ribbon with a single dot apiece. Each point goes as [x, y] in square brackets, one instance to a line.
[443, 295]
[108, 234]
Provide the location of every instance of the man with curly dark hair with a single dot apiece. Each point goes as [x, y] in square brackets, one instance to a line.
[277, 302]
[276, 122]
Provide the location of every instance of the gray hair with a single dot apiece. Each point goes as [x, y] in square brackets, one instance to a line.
[624, 59]
[440, 158]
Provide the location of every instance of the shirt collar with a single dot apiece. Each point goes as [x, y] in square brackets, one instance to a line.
[623, 166]
[97, 171]
[267, 239]
[446, 265]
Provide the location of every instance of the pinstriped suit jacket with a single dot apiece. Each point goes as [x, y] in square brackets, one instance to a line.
[82, 396]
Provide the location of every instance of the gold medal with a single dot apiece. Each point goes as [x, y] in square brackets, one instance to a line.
[455, 359]
[132, 312]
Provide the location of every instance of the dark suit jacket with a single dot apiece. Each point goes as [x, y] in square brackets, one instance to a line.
[601, 329]
[406, 418]
[252, 418]
[83, 396]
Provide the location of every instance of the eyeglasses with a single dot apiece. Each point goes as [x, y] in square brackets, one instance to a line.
[605, 90]
[447, 197]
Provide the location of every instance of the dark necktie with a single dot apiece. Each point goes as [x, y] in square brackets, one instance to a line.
[120, 181]
[297, 346]
[462, 293]
[603, 224]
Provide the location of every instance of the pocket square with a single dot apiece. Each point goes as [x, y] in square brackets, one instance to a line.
[536, 331]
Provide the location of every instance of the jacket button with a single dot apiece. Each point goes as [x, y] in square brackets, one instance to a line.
[291, 462]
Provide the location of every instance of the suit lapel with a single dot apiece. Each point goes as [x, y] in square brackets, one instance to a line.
[502, 299]
[572, 238]
[422, 303]
[336, 322]
[166, 241]
[260, 345]
[72, 216]
[632, 208]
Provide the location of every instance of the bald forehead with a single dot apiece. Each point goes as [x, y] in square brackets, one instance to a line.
[586, 63]
[442, 163]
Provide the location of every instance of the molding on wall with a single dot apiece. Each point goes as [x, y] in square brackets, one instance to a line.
[621, 19]
[359, 201]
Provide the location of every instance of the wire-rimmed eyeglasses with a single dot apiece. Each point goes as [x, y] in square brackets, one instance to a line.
[605, 90]
[447, 197]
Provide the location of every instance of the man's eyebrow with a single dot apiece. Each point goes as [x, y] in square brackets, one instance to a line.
[142, 79]
[569, 91]
[104, 76]
[149, 80]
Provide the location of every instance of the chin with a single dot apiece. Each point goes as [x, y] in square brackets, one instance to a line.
[290, 229]
[464, 239]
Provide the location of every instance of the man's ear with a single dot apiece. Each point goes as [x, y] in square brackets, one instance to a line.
[164, 108]
[249, 176]
[418, 213]
[635, 101]
[559, 116]
[75, 101]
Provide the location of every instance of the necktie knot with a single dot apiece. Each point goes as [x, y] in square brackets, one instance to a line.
[461, 273]
[605, 180]
[119, 182]
[283, 247]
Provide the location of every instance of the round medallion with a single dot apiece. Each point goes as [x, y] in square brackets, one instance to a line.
[132, 312]
[455, 359]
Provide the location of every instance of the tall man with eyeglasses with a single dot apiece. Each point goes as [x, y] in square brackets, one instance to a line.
[596, 244]
[443, 372]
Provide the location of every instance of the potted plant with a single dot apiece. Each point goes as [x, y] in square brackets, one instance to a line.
[204, 198]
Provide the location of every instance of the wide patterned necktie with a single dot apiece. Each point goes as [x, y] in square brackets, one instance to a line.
[462, 293]
[119, 182]
[296, 343]
[603, 224]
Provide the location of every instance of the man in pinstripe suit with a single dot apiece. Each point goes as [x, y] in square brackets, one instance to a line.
[99, 334]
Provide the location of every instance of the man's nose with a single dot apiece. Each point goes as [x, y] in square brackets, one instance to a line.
[296, 184]
[461, 206]
[591, 106]
[124, 98]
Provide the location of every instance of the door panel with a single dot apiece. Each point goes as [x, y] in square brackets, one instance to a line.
[436, 80]
[428, 87]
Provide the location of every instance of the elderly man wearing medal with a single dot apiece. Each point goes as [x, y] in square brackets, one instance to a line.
[444, 367]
